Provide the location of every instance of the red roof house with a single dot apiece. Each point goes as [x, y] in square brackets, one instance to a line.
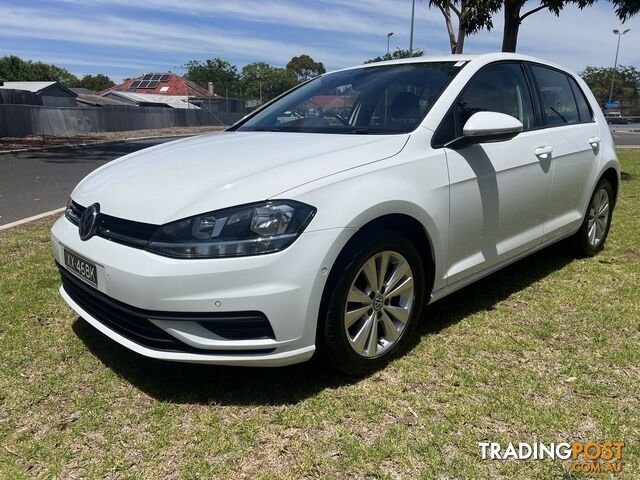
[160, 84]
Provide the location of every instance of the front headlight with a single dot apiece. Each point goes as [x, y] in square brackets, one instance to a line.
[233, 232]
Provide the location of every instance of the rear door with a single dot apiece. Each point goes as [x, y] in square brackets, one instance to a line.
[498, 191]
[571, 135]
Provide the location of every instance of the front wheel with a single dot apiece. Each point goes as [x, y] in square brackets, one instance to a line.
[590, 239]
[374, 300]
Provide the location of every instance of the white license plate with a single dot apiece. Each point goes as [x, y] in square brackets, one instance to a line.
[82, 267]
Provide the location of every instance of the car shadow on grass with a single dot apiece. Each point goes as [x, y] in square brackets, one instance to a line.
[210, 384]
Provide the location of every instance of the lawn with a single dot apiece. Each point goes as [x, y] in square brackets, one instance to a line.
[546, 350]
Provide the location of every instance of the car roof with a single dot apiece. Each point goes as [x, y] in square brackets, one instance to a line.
[478, 59]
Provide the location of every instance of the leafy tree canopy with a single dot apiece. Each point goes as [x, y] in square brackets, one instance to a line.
[15, 69]
[223, 74]
[395, 55]
[95, 83]
[626, 87]
[305, 67]
[513, 15]
[261, 80]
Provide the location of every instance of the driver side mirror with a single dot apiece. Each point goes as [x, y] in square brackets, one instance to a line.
[486, 127]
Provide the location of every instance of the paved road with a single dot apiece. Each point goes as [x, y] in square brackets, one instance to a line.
[38, 181]
[626, 135]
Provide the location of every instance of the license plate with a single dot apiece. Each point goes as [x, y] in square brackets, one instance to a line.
[81, 267]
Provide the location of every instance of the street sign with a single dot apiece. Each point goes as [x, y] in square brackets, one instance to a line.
[612, 105]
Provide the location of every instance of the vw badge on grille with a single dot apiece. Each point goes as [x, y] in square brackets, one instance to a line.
[89, 222]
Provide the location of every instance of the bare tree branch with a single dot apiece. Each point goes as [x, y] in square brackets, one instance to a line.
[531, 12]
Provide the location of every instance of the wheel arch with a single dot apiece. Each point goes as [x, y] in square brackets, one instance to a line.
[402, 223]
[611, 174]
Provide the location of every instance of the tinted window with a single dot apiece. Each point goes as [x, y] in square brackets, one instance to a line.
[498, 88]
[583, 106]
[376, 100]
[556, 97]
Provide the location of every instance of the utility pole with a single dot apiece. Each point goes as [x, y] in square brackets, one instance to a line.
[413, 15]
[615, 64]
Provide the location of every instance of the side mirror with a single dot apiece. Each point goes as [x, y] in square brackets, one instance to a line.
[485, 127]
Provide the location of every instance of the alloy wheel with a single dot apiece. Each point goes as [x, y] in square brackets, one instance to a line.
[598, 221]
[379, 304]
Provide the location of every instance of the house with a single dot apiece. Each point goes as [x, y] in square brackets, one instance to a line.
[88, 98]
[163, 83]
[149, 99]
[48, 94]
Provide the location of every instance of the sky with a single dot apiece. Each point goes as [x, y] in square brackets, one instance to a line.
[125, 38]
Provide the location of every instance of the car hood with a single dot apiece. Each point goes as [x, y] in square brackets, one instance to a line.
[200, 174]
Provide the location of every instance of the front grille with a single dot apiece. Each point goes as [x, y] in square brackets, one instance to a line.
[126, 232]
[133, 323]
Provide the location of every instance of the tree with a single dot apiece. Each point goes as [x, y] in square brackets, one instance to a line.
[395, 55]
[626, 88]
[95, 83]
[261, 80]
[305, 67]
[513, 16]
[15, 69]
[223, 74]
[471, 17]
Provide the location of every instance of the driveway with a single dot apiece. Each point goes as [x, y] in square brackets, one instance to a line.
[38, 181]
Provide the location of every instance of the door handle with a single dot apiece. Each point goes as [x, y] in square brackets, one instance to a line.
[543, 152]
[594, 141]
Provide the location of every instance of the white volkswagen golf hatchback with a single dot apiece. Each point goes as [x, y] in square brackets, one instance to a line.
[328, 218]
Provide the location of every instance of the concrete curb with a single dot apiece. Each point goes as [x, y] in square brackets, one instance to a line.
[106, 142]
[32, 219]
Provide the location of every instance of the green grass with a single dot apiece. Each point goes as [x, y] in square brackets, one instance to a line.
[546, 350]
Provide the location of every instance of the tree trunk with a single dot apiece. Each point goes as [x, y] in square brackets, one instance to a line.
[446, 13]
[460, 42]
[511, 25]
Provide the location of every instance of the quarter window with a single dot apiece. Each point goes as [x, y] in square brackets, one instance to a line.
[586, 115]
[498, 88]
[558, 104]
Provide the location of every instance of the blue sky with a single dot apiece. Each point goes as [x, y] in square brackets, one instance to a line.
[123, 38]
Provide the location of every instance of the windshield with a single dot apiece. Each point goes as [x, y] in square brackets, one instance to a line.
[377, 100]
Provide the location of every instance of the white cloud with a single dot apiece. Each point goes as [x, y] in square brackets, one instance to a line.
[162, 33]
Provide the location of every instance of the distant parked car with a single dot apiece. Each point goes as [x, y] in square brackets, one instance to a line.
[331, 231]
[616, 118]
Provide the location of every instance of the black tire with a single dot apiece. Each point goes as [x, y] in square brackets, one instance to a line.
[581, 242]
[332, 340]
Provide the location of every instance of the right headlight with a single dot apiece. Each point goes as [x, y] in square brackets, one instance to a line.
[233, 232]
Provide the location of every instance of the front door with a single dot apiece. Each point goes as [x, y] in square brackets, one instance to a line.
[498, 191]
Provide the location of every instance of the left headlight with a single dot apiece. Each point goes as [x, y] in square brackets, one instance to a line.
[234, 232]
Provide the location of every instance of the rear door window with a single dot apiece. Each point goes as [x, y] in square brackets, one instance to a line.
[556, 97]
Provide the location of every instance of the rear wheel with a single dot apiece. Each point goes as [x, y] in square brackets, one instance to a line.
[590, 239]
[374, 299]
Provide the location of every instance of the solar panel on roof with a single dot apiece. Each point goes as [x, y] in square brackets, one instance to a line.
[148, 76]
[165, 78]
[156, 76]
[135, 84]
[153, 84]
[144, 84]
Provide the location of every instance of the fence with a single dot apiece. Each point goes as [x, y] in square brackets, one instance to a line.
[23, 120]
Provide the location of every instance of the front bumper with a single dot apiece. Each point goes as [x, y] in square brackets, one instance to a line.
[286, 287]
